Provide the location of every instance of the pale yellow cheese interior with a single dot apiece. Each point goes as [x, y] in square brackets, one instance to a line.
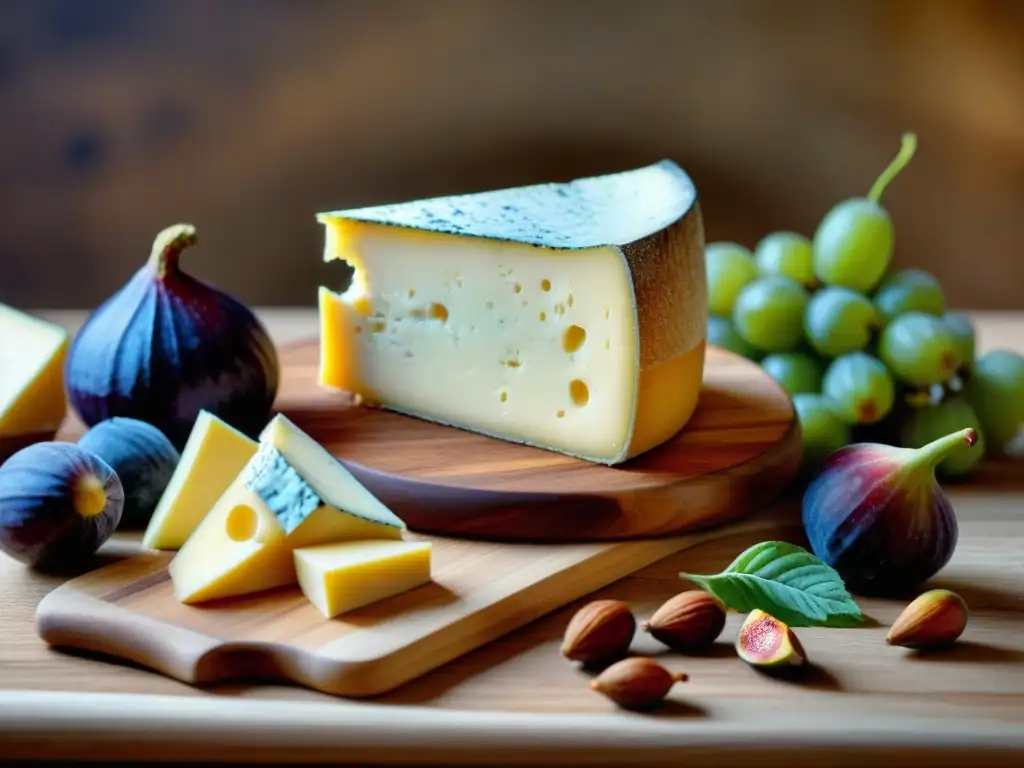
[519, 342]
[239, 548]
[338, 578]
[213, 456]
[32, 354]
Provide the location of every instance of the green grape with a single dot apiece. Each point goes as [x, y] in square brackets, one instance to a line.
[823, 431]
[919, 349]
[912, 290]
[922, 425]
[722, 334]
[995, 388]
[729, 267]
[854, 241]
[963, 331]
[788, 254]
[838, 321]
[796, 372]
[769, 313]
[861, 388]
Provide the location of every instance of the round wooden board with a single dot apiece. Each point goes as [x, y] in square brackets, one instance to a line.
[741, 448]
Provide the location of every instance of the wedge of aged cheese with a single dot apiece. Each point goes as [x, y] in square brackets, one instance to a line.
[32, 399]
[568, 316]
[213, 456]
[292, 493]
[338, 578]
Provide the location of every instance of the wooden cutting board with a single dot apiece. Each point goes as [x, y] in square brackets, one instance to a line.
[741, 449]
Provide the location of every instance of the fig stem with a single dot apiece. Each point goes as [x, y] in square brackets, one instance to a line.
[935, 451]
[167, 248]
[907, 149]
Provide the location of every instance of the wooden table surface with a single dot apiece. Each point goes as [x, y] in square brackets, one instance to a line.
[516, 700]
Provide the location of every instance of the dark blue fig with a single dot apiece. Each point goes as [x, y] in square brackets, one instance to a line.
[143, 458]
[58, 504]
[166, 346]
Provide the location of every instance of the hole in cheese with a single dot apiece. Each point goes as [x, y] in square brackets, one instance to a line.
[545, 285]
[607, 314]
[517, 288]
[504, 396]
[363, 306]
[379, 326]
[561, 414]
[573, 338]
[543, 316]
[412, 292]
[241, 523]
[490, 305]
[579, 392]
[570, 300]
[439, 312]
[512, 363]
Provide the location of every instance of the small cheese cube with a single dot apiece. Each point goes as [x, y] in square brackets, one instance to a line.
[338, 578]
[214, 455]
[570, 317]
[292, 493]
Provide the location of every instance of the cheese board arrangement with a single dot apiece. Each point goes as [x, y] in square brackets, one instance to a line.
[522, 396]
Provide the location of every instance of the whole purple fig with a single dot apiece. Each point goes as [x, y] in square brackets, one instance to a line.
[166, 346]
[58, 504]
[877, 515]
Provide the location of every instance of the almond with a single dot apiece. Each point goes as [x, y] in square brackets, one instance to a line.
[688, 620]
[599, 631]
[636, 682]
[935, 618]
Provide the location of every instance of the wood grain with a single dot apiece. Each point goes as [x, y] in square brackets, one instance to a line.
[516, 701]
[740, 449]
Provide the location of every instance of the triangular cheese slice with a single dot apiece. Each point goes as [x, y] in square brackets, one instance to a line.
[292, 493]
[213, 457]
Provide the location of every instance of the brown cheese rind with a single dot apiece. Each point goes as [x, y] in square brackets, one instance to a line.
[669, 283]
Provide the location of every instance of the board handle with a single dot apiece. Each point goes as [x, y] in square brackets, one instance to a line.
[82, 622]
[76, 622]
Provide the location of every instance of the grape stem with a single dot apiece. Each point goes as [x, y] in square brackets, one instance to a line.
[907, 149]
[935, 451]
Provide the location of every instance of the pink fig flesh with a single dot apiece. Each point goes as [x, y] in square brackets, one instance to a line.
[764, 641]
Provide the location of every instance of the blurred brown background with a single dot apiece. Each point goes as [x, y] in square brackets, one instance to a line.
[248, 116]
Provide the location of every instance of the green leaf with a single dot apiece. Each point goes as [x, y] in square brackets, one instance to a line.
[787, 582]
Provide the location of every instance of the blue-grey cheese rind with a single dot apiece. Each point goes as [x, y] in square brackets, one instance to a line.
[599, 211]
[281, 488]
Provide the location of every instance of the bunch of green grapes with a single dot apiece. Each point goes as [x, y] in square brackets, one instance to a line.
[866, 353]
